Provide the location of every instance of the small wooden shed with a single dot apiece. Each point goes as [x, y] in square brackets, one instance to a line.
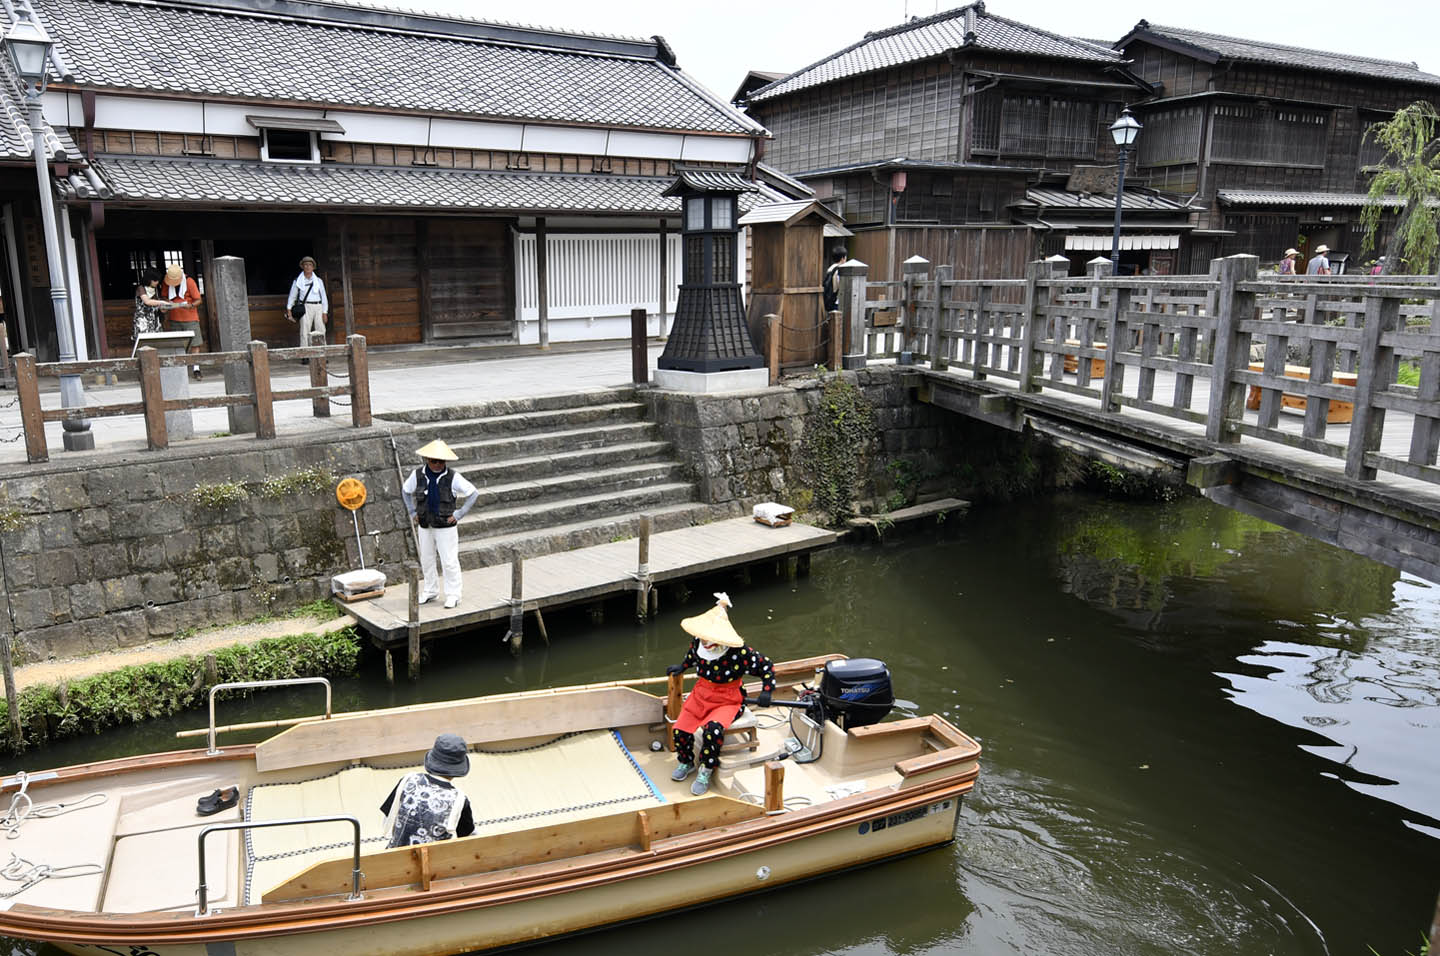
[788, 243]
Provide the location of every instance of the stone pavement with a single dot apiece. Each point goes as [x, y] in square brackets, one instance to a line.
[400, 379]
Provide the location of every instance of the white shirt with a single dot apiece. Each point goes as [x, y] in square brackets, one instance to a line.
[301, 286]
[465, 493]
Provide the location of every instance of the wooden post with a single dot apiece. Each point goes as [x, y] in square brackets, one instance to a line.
[1375, 372]
[542, 290]
[359, 382]
[389, 667]
[1116, 332]
[412, 620]
[345, 277]
[913, 273]
[1032, 320]
[6, 377]
[540, 623]
[1232, 348]
[27, 390]
[774, 786]
[424, 292]
[772, 343]
[943, 274]
[639, 351]
[642, 573]
[12, 696]
[837, 339]
[673, 687]
[851, 276]
[152, 397]
[517, 603]
[642, 820]
[212, 670]
[320, 405]
[664, 309]
[260, 377]
[1435, 928]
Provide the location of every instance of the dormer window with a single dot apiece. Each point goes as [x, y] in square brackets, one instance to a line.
[292, 139]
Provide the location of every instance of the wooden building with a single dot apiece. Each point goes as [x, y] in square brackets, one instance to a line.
[1268, 139]
[433, 165]
[929, 136]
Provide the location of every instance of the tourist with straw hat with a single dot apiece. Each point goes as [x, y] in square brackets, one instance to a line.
[425, 806]
[721, 660]
[1319, 264]
[438, 518]
[1287, 264]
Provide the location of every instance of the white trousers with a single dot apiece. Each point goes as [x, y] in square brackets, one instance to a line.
[444, 543]
[314, 321]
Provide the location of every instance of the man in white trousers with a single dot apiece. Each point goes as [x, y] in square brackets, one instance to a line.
[431, 494]
[307, 293]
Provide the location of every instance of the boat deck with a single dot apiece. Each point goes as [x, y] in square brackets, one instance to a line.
[588, 574]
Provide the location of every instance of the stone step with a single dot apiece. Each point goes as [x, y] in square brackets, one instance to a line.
[484, 474]
[533, 516]
[529, 423]
[571, 483]
[498, 549]
[513, 406]
[492, 450]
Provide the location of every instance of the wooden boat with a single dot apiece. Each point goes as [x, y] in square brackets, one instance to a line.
[578, 825]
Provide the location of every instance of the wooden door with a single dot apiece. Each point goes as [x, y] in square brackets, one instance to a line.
[469, 279]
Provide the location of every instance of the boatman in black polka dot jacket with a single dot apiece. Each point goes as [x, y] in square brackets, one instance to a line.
[721, 659]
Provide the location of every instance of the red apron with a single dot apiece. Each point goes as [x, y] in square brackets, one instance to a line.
[710, 701]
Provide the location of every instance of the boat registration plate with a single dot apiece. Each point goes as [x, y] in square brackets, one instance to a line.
[906, 816]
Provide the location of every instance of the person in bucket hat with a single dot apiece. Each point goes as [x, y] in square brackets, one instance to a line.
[1319, 264]
[439, 487]
[425, 806]
[721, 660]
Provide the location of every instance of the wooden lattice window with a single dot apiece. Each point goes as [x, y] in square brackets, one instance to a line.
[1172, 136]
[1253, 133]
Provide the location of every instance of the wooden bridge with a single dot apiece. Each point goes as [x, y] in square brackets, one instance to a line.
[1152, 374]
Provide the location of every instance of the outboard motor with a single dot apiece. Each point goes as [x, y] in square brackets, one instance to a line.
[857, 691]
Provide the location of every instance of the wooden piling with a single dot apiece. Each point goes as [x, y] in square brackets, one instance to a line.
[774, 786]
[642, 573]
[157, 434]
[413, 620]
[12, 696]
[32, 419]
[359, 382]
[517, 602]
[837, 339]
[264, 403]
[319, 378]
[389, 667]
[540, 623]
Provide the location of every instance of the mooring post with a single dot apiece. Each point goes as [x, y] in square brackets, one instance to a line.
[12, 697]
[642, 573]
[516, 637]
[413, 619]
[774, 786]
[389, 667]
[540, 623]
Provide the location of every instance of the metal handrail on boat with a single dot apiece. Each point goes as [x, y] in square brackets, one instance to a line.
[202, 903]
[251, 684]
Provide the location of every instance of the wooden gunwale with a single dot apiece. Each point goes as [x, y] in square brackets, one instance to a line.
[284, 919]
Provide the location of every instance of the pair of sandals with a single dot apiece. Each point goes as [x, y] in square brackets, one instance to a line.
[218, 800]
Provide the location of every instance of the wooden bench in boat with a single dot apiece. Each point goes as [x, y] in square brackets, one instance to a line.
[80, 837]
[1339, 413]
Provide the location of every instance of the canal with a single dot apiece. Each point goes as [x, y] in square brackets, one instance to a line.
[1202, 734]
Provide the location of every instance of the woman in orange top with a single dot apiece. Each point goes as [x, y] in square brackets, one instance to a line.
[183, 295]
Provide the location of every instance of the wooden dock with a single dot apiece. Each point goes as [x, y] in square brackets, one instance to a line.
[586, 575]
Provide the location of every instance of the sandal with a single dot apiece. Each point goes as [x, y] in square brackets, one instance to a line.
[213, 803]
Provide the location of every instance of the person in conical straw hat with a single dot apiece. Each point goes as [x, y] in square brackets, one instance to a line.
[721, 659]
[431, 493]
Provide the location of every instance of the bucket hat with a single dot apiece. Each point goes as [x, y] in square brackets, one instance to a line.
[1321, 250]
[714, 625]
[448, 757]
[309, 259]
[438, 450]
[1291, 252]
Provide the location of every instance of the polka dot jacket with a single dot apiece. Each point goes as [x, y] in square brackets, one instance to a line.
[731, 666]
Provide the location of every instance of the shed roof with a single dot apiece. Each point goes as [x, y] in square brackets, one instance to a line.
[1213, 47]
[1063, 199]
[969, 27]
[791, 212]
[709, 181]
[310, 52]
[211, 182]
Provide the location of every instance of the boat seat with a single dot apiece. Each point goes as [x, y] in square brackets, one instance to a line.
[746, 731]
[83, 836]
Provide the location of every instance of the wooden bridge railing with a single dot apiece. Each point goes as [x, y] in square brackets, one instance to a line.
[1348, 342]
[153, 405]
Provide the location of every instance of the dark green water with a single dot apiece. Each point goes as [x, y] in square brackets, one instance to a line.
[1202, 735]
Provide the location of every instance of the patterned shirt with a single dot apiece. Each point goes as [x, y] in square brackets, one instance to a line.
[731, 666]
[424, 809]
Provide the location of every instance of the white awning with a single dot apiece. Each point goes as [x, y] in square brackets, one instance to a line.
[1102, 243]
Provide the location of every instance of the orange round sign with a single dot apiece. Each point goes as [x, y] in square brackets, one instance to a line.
[350, 493]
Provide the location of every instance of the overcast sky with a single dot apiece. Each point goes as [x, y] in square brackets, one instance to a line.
[717, 42]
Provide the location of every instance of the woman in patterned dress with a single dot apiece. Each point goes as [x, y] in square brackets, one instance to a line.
[147, 306]
[425, 806]
[721, 660]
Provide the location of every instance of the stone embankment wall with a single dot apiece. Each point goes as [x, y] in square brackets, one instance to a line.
[101, 552]
[745, 448]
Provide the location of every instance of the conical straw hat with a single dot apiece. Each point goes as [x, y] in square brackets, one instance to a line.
[714, 625]
[438, 450]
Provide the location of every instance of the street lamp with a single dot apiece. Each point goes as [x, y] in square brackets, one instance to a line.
[29, 49]
[1124, 130]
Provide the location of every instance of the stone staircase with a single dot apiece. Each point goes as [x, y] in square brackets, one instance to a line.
[559, 472]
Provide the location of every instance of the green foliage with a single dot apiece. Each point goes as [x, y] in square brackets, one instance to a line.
[1123, 484]
[1424, 948]
[1407, 373]
[145, 692]
[11, 519]
[1411, 172]
[320, 609]
[838, 434]
[217, 494]
[311, 480]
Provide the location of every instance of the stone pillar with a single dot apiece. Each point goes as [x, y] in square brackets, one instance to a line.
[232, 313]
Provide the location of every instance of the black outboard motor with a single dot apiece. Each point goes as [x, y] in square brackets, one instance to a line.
[857, 691]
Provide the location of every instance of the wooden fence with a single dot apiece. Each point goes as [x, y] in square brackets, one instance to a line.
[153, 405]
[1350, 335]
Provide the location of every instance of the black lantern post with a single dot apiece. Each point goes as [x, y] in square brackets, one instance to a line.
[709, 333]
[1124, 130]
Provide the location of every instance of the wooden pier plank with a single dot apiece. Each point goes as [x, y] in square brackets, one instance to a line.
[588, 574]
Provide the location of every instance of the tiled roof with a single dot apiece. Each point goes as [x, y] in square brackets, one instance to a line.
[923, 38]
[175, 46]
[1234, 48]
[16, 142]
[1245, 197]
[1062, 199]
[709, 181]
[392, 188]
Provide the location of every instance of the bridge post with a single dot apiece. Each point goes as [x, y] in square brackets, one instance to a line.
[1376, 371]
[852, 299]
[913, 272]
[1096, 269]
[1030, 330]
[1232, 347]
[943, 274]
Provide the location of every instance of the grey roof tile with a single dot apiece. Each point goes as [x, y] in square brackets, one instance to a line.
[1249, 197]
[133, 45]
[1256, 51]
[932, 36]
[709, 180]
[1063, 199]
[16, 141]
[154, 181]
